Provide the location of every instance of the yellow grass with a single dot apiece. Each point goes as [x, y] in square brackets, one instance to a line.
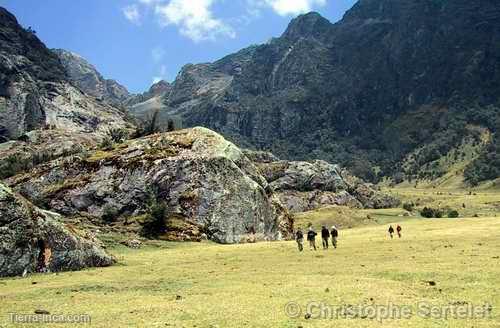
[249, 285]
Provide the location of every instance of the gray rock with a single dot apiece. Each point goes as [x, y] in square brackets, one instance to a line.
[33, 240]
[204, 181]
[305, 186]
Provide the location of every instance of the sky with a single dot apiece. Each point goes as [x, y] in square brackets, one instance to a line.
[138, 42]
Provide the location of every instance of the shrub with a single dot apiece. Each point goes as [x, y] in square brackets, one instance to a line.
[428, 212]
[118, 135]
[155, 223]
[453, 214]
[106, 144]
[409, 207]
[109, 214]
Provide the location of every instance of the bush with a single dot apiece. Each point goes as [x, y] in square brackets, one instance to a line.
[453, 214]
[106, 144]
[118, 135]
[409, 207]
[155, 224]
[428, 212]
[109, 214]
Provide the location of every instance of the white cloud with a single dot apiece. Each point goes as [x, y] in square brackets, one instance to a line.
[194, 18]
[157, 54]
[132, 14]
[288, 7]
[149, 2]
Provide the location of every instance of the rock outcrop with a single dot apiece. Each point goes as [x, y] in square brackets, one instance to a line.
[202, 181]
[36, 93]
[305, 186]
[33, 240]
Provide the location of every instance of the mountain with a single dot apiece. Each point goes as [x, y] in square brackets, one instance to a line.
[393, 89]
[43, 114]
[36, 92]
[89, 80]
[150, 106]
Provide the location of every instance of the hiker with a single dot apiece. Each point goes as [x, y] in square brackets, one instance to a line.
[334, 233]
[398, 229]
[311, 237]
[325, 235]
[299, 237]
[391, 231]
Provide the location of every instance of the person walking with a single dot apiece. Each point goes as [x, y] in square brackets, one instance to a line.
[325, 235]
[398, 229]
[299, 237]
[391, 231]
[335, 234]
[311, 237]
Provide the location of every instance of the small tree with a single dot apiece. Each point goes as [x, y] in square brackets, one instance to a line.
[170, 125]
[155, 224]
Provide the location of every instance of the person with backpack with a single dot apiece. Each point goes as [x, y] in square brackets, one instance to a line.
[335, 234]
[391, 231]
[325, 235]
[398, 229]
[311, 237]
[299, 237]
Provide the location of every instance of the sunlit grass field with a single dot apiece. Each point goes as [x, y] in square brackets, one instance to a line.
[442, 262]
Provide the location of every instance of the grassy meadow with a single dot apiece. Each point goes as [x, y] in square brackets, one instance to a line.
[442, 262]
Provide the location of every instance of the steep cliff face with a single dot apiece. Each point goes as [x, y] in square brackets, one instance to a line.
[347, 92]
[35, 92]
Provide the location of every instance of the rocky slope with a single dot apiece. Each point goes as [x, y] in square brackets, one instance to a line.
[148, 107]
[305, 186]
[89, 80]
[392, 78]
[33, 240]
[35, 91]
[204, 184]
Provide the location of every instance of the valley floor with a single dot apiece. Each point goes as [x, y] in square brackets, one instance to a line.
[450, 263]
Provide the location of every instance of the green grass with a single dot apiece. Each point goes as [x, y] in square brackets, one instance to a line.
[248, 285]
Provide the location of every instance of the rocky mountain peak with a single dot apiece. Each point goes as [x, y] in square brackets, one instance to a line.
[89, 80]
[160, 88]
[306, 26]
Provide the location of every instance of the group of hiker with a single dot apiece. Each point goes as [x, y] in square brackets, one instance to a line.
[398, 230]
[311, 237]
[327, 234]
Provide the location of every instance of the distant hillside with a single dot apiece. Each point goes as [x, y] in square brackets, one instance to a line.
[391, 80]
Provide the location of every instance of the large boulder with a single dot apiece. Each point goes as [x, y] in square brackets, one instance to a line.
[34, 240]
[198, 177]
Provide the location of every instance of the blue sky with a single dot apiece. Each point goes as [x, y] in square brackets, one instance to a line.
[138, 41]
